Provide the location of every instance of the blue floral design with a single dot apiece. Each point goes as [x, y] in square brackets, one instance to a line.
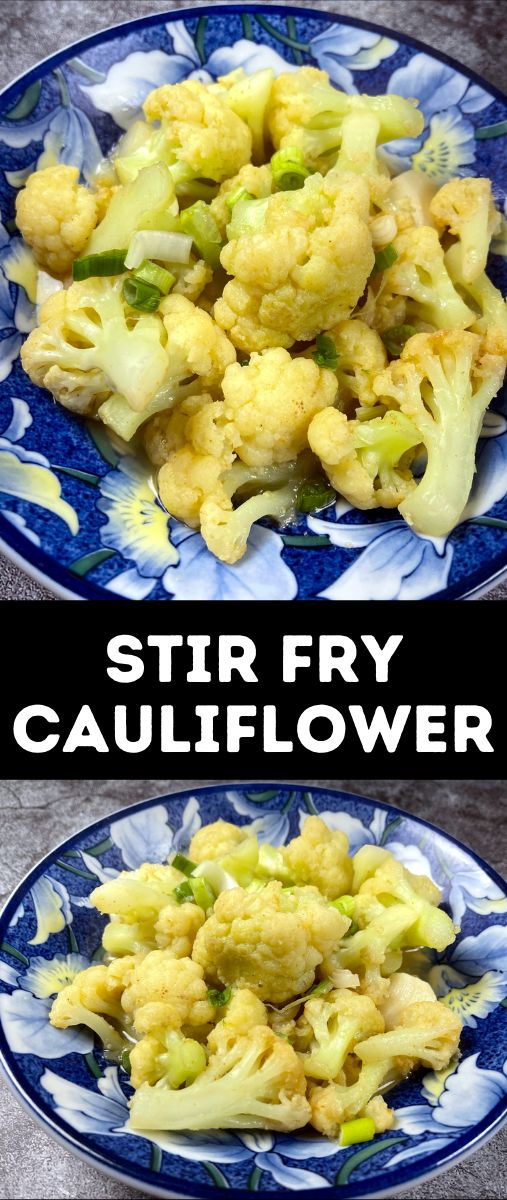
[165, 550]
[468, 1094]
[66, 133]
[447, 145]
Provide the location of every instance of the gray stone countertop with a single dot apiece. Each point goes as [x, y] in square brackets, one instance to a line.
[469, 30]
[37, 815]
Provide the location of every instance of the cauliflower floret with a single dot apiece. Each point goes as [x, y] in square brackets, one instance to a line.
[166, 992]
[91, 998]
[176, 928]
[465, 207]
[367, 462]
[215, 840]
[319, 857]
[409, 199]
[383, 1117]
[403, 990]
[303, 269]
[428, 1033]
[192, 475]
[205, 138]
[250, 1082]
[443, 382]
[339, 1102]
[196, 344]
[307, 112]
[55, 216]
[392, 883]
[361, 356]
[244, 1012]
[87, 332]
[268, 941]
[271, 401]
[167, 1056]
[191, 281]
[419, 275]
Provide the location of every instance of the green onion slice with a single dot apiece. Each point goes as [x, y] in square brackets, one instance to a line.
[181, 863]
[158, 277]
[202, 893]
[315, 494]
[384, 259]
[183, 892]
[218, 999]
[199, 223]
[125, 1061]
[288, 169]
[394, 338]
[360, 1130]
[325, 353]
[109, 262]
[140, 295]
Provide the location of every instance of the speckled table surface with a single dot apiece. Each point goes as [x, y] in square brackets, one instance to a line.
[469, 30]
[36, 815]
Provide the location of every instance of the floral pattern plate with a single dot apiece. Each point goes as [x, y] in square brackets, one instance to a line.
[49, 932]
[85, 519]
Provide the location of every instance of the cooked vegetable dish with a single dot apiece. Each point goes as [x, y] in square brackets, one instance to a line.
[250, 299]
[255, 987]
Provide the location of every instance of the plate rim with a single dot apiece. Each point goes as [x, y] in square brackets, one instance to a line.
[37, 563]
[483, 1131]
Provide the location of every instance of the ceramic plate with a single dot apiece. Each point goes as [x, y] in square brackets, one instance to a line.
[87, 522]
[48, 932]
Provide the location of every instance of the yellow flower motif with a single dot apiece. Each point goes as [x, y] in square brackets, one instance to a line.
[20, 267]
[31, 481]
[485, 907]
[476, 999]
[137, 525]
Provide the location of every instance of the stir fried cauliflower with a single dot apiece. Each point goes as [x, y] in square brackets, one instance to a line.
[244, 295]
[55, 215]
[271, 941]
[251, 986]
[302, 270]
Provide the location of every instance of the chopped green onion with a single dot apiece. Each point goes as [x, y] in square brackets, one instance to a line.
[199, 223]
[288, 168]
[183, 892]
[109, 262]
[141, 295]
[360, 1130]
[384, 259]
[159, 244]
[238, 193]
[325, 353]
[180, 863]
[218, 999]
[203, 894]
[345, 905]
[125, 1061]
[315, 494]
[394, 338]
[148, 272]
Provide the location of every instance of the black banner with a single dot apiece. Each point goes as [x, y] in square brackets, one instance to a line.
[260, 690]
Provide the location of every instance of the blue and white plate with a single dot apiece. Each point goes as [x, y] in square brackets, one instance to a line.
[49, 932]
[87, 522]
